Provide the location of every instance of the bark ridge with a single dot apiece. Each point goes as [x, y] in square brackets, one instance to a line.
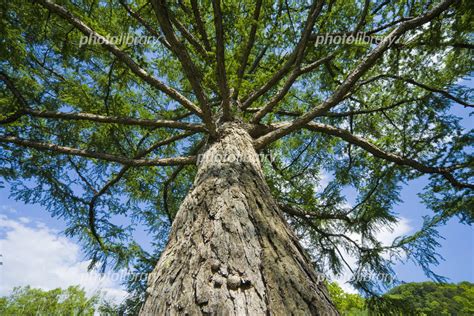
[230, 250]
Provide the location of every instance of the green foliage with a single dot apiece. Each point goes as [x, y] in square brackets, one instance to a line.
[29, 301]
[40, 52]
[429, 299]
[346, 303]
[423, 299]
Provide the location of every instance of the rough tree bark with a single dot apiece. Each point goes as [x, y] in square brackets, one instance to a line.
[230, 251]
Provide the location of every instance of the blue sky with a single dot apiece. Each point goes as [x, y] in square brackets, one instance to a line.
[457, 248]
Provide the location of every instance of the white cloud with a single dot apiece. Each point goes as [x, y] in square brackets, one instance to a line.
[8, 209]
[322, 180]
[35, 255]
[386, 236]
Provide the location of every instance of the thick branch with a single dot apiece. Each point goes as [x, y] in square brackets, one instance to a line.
[122, 56]
[355, 75]
[97, 155]
[221, 72]
[115, 119]
[295, 58]
[297, 72]
[200, 24]
[147, 26]
[192, 73]
[248, 48]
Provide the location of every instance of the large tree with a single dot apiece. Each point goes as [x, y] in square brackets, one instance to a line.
[237, 136]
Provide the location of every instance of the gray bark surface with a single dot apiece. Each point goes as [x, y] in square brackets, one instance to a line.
[230, 251]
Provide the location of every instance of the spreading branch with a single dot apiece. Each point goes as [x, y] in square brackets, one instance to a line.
[116, 178]
[248, 48]
[147, 26]
[275, 100]
[377, 152]
[221, 72]
[121, 55]
[200, 24]
[374, 110]
[429, 88]
[82, 116]
[295, 58]
[97, 155]
[191, 71]
[190, 37]
[296, 211]
[367, 62]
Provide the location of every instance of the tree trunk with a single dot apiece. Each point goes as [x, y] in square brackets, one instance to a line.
[230, 251]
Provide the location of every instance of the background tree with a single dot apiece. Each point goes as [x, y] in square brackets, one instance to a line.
[107, 137]
[29, 301]
[429, 298]
[425, 298]
[346, 303]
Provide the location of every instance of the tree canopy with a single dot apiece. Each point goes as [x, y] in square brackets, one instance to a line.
[424, 298]
[346, 303]
[30, 301]
[429, 298]
[106, 136]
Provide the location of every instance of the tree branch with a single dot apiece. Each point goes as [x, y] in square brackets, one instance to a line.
[426, 87]
[368, 111]
[363, 16]
[379, 153]
[295, 211]
[11, 86]
[295, 58]
[297, 72]
[97, 155]
[172, 177]
[220, 55]
[354, 76]
[81, 116]
[122, 56]
[248, 48]
[192, 73]
[118, 177]
[190, 37]
[147, 26]
[200, 25]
